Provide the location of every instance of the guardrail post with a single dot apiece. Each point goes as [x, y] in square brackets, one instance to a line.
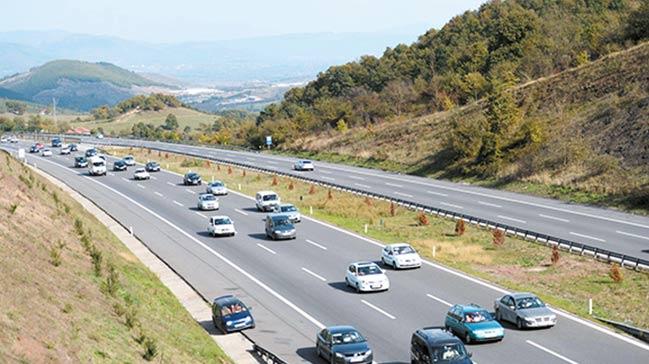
[130, 229]
[239, 186]
[365, 228]
[434, 251]
[310, 210]
[590, 306]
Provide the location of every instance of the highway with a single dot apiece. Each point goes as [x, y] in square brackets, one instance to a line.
[619, 232]
[297, 287]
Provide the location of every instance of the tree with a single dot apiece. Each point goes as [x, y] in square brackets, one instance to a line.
[16, 107]
[474, 84]
[638, 24]
[102, 112]
[171, 123]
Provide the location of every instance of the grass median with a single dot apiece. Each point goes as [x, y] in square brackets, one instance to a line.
[515, 264]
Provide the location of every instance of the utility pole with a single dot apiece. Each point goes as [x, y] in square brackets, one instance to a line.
[54, 108]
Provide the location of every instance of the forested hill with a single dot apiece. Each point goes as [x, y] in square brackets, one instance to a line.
[501, 44]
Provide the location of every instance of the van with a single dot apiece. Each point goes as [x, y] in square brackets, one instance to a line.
[97, 166]
[267, 201]
[434, 344]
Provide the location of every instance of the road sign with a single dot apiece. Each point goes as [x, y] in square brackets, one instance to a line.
[269, 140]
[21, 153]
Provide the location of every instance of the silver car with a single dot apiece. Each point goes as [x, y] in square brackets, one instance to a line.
[207, 201]
[525, 310]
[217, 188]
[291, 211]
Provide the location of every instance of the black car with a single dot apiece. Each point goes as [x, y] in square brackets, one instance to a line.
[230, 314]
[74, 147]
[119, 165]
[436, 345]
[152, 167]
[91, 152]
[56, 142]
[343, 344]
[192, 178]
[80, 162]
[33, 149]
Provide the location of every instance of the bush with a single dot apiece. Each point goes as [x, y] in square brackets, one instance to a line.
[330, 195]
[275, 182]
[422, 219]
[55, 256]
[555, 255]
[460, 227]
[368, 201]
[243, 173]
[78, 226]
[312, 190]
[229, 170]
[150, 349]
[393, 209]
[111, 284]
[616, 273]
[97, 258]
[498, 237]
[130, 317]
[291, 186]
[13, 207]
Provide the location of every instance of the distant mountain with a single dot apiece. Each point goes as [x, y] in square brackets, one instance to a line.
[285, 58]
[75, 84]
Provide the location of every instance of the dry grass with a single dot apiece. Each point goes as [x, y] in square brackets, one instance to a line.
[58, 313]
[516, 264]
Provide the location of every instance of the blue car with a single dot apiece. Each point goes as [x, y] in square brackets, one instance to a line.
[229, 314]
[473, 323]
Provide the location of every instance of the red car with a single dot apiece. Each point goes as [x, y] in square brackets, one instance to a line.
[40, 145]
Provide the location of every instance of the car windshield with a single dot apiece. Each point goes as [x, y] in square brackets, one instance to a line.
[222, 221]
[216, 184]
[153, 164]
[128, 158]
[369, 270]
[140, 170]
[80, 159]
[449, 353]
[288, 208]
[269, 197]
[282, 222]
[349, 337]
[208, 198]
[403, 250]
[529, 302]
[477, 316]
[192, 176]
[98, 164]
[233, 309]
[120, 163]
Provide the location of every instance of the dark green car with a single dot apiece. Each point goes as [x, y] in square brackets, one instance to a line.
[473, 323]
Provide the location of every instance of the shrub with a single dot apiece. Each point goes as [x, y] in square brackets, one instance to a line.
[368, 201]
[275, 181]
[111, 284]
[13, 207]
[55, 197]
[330, 195]
[130, 317]
[229, 170]
[67, 308]
[55, 256]
[119, 309]
[291, 186]
[243, 173]
[616, 273]
[312, 190]
[97, 257]
[26, 181]
[498, 237]
[208, 164]
[159, 154]
[150, 349]
[166, 155]
[460, 228]
[422, 218]
[393, 209]
[218, 167]
[555, 255]
[78, 226]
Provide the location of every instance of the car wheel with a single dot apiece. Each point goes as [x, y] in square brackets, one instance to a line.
[358, 288]
[498, 317]
[318, 353]
[519, 323]
[394, 265]
[467, 338]
[383, 261]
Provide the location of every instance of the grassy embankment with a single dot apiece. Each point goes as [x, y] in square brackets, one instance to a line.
[72, 292]
[517, 264]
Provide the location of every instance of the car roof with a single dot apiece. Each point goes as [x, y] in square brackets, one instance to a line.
[276, 215]
[267, 193]
[227, 300]
[286, 205]
[363, 263]
[140, 170]
[437, 336]
[518, 295]
[220, 217]
[472, 307]
[396, 245]
[340, 328]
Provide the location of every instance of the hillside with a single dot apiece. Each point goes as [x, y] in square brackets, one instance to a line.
[581, 134]
[75, 84]
[72, 293]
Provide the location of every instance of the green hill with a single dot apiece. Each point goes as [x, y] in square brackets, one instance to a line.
[75, 84]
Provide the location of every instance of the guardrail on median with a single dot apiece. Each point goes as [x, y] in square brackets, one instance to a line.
[563, 244]
[263, 354]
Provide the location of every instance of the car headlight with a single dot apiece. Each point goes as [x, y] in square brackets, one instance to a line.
[339, 355]
[530, 320]
[229, 323]
[368, 352]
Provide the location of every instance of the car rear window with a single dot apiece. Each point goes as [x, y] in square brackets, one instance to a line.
[269, 197]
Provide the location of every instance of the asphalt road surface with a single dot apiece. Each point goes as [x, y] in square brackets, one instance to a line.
[297, 286]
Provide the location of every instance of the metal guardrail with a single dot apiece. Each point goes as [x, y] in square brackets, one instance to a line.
[548, 240]
[631, 330]
[263, 354]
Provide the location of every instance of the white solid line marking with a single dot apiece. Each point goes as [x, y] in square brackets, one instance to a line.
[328, 178]
[325, 172]
[111, 174]
[512, 219]
[316, 244]
[152, 177]
[550, 352]
[200, 214]
[190, 191]
[379, 310]
[632, 235]
[356, 177]
[489, 204]
[158, 193]
[139, 185]
[315, 275]
[439, 300]
[272, 162]
[177, 203]
[554, 218]
[587, 237]
[451, 205]
[393, 184]
[241, 212]
[251, 159]
[125, 179]
[265, 248]
[170, 184]
[437, 193]
[402, 194]
[362, 185]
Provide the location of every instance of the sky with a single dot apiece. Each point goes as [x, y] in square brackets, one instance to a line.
[165, 21]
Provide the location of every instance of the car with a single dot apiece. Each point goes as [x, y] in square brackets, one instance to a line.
[229, 314]
[303, 165]
[290, 210]
[366, 277]
[91, 152]
[99, 136]
[400, 255]
[525, 310]
[207, 201]
[13, 139]
[74, 147]
[141, 174]
[46, 153]
[80, 162]
[56, 142]
[267, 200]
[119, 165]
[217, 188]
[192, 178]
[152, 166]
[129, 160]
[343, 344]
[279, 226]
[436, 345]
[473, 323]
[96, 166]
[65, 150]
[4, 139]
[40, 146]
[33, 149]
[221, 225]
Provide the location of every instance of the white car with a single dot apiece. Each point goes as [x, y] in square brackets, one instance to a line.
[46, 153]
[207, 201]
[96, 166]
[400, 256]
[221, 225]
[217, 188]
[13, 139]
[267, 201]
[291, 211]
[129, 160]
[4, 139]
[303, 165]
[141, 173]
[65, 150]
[366, 276]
